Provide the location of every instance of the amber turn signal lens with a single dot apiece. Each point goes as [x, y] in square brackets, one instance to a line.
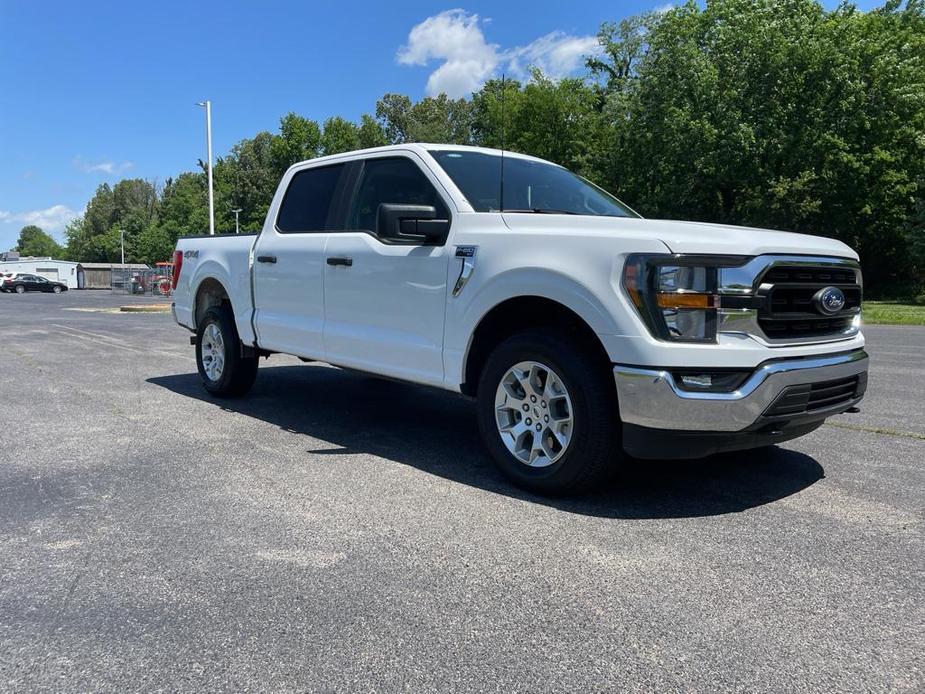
[675, 300]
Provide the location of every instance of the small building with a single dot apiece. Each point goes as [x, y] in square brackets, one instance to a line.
[108, 275]
[64, 271]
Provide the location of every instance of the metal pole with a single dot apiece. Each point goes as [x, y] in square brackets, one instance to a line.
[122, 243]
[237, 226]
[209, 147]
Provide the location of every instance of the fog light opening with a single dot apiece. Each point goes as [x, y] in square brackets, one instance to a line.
[710, 381]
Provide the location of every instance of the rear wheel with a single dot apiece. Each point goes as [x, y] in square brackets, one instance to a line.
[223, 369]
[20, 289]
[547, 413]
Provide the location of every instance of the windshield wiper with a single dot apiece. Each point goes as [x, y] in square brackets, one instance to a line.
[542, 210]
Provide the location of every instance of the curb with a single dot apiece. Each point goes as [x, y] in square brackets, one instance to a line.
[146, 308]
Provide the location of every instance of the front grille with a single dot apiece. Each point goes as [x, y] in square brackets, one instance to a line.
[783, 328]
[816, 397]
[788, 311]
[818, 275]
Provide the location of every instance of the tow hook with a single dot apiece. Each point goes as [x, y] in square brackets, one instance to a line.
[853, 410]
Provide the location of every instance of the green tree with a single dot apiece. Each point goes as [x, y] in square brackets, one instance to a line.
[370, 133]
[35, 242]
[340, 135]
[558, 120]
[129, 207]
[299, 139]
[623, 46]
[774, 114]
[247, 179]
[432, 119]
[155, 243]
[394, 113]
[182, 211]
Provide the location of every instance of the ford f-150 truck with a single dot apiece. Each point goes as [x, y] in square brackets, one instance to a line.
[583, 331]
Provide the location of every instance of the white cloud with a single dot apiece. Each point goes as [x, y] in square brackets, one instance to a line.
[53, 218]
[557, 54]
[109, 168]
[662, 9]
[455, 39]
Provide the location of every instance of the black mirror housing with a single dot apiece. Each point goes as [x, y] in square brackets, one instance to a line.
[412, 224]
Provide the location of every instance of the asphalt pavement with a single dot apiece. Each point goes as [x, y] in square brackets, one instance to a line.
[337, 532]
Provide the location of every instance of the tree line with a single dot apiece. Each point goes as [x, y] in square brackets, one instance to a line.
[767, 113]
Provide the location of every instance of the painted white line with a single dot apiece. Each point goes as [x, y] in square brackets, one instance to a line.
[104, 339]
[103, 342]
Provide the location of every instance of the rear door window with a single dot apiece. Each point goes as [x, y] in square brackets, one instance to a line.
[310, 201]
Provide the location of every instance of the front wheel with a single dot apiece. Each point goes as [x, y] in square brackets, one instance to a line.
[56, 290]
[223, 369]
[547, 412]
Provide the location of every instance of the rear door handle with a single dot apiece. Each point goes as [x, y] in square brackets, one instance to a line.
[346, 262]
[266, 258]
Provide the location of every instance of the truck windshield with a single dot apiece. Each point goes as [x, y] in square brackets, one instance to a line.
[529, 186]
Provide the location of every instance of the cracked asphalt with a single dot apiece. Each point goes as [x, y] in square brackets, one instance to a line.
[335, 532]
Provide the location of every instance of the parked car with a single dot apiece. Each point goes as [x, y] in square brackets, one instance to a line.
[583, 331]
[4, 276]
[22, 283]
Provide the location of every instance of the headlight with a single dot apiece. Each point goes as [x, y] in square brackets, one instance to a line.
[676, 295]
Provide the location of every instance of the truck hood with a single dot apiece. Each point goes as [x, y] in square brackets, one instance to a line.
[687, 237]
[699, 237]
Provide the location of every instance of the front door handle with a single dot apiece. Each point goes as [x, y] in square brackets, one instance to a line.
[346, 262]
[266, 258]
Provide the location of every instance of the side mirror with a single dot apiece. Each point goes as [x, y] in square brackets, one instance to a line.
[413, 224]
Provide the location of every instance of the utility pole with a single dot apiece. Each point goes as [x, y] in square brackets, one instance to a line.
[208, 107]
[122, 243]
[237, 226]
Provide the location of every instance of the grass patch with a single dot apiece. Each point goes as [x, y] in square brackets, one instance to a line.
[893, 313]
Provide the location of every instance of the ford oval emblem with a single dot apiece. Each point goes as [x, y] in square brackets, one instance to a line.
[829, 300]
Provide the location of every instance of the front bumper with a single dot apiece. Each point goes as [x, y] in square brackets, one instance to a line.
[662, 419]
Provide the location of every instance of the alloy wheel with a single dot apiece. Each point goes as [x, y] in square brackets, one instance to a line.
[213, 352]
[534, 415]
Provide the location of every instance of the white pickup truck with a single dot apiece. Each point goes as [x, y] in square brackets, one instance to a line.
[583, 331]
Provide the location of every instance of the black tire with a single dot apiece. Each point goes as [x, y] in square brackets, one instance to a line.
[593, 452]
[20, 289]
[56, 290]
[239, 372]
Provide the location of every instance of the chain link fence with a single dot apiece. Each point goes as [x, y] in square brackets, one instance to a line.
[141, 282]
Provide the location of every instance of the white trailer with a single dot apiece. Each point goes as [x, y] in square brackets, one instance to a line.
[64, 271]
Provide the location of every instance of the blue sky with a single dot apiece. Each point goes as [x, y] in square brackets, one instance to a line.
[97, 91]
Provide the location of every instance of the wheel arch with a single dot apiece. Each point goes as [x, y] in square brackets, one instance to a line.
[210, 292]
[519, 313]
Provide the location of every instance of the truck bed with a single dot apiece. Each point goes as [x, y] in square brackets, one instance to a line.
[224, 259]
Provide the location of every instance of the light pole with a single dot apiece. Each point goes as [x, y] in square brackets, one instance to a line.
[237, 227]
[122, 243]
[208, 107]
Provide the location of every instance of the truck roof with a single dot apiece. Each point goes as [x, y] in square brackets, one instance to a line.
[420, 148]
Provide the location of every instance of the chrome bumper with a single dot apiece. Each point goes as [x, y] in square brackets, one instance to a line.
[651, 397]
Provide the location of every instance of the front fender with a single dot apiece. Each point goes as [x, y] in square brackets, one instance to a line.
[541, 282]
[600, 310]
